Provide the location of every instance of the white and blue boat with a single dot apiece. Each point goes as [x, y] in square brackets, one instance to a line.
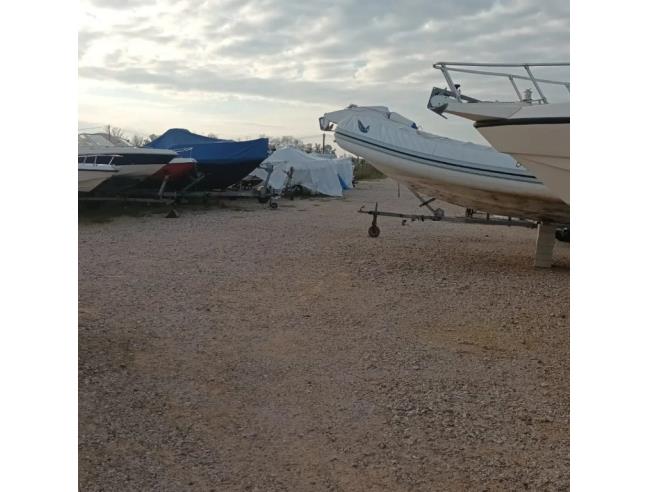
[466, 174]
[134, 164]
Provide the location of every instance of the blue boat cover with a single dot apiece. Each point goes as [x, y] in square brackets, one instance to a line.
[178, 137]
[222, 162]
[207, 150]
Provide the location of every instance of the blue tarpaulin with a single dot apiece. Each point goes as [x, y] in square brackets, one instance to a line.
[223, 162]
[178, 137]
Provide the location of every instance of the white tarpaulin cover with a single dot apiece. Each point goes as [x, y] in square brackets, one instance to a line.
[344, 167]
[318, 175]
[463, 173]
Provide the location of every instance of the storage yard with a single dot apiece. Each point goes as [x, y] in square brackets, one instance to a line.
[244, 348]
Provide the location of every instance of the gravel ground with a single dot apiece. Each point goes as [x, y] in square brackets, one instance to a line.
[254, 349]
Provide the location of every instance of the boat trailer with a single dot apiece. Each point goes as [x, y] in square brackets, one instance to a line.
[439, 215]
[262, 193]
[548, 232]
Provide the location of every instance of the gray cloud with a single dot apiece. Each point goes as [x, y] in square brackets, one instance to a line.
[150, 33]
[319, 52]
[85, 40]
[206, 80]
[121, 4]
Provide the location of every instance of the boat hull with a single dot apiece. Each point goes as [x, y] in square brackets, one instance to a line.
[221, 175]
[175, 171]
[543, 148]
[134, 164]
[129, 176]
[90, 179]
[496, 195]
[178, 172]
[536, 135]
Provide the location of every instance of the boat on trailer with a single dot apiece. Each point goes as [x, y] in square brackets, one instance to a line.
[534, 131]
[473, 176]
[221, 163]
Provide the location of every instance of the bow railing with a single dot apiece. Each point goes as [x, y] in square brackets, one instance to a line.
[447, 67]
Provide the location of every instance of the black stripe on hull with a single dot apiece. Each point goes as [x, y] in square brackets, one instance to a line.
[556, 120]
[525, 177]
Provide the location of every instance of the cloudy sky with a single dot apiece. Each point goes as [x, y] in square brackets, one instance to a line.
[241, 68]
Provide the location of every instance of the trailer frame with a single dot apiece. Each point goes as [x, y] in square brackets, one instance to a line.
[548, 232]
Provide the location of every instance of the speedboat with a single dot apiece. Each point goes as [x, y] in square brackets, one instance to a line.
[534, 132]
[134, 163]
[466, 174]
[221, 163]
[92, 174]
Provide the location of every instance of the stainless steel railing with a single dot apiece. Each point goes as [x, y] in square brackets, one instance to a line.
[447, 67]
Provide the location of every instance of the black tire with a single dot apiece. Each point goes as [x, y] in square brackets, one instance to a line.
[374, 231]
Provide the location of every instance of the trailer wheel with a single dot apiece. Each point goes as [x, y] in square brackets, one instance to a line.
[374, 231]
[274, 205]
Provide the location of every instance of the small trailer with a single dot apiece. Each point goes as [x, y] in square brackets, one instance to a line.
[471, 217]
[548, 232]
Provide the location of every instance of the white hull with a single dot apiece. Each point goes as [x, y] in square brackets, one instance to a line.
[543, 149]
[92, 175]
[536, 135]
[89, 180]
[523, 201]
[133, 163]
[465, 174]
[138, 171]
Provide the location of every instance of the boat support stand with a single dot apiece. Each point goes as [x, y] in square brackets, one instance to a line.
[545, 244]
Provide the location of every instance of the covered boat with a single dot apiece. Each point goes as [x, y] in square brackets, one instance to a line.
[222, 163]
[294, 167]
[466, 174]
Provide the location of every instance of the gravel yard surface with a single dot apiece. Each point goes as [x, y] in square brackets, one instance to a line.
[244, 348]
